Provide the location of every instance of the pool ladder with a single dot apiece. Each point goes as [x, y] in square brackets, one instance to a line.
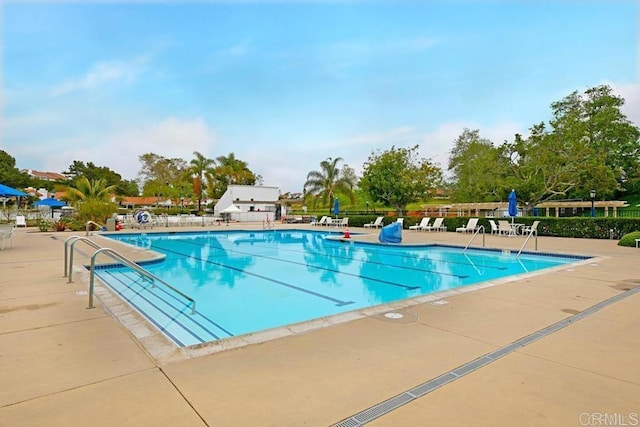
[71, 241]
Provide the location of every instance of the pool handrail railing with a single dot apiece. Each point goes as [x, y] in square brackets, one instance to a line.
[478, 229]
[137, 268]
[69, 256]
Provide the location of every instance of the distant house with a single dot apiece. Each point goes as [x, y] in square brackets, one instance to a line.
[255, 202]
[46, 176]
[140, 201]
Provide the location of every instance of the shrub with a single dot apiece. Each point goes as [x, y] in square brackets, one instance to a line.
[629, 239]
[59, 225]
[96, 211]
[43, 225]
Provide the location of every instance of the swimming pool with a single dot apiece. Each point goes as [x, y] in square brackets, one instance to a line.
[249, 281]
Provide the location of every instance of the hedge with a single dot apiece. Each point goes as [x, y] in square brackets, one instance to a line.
[576, 227]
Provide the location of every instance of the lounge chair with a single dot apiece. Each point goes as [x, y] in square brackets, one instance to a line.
[6, 233]
[375, 224]
[320, 222]
[423, 223]
[470, 227]
[437, 225]
[21, 221]
[530, 229]
[494, 227]
[505, 228]
[344, 222]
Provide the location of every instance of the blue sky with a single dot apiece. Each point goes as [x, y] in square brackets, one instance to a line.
[286, 84]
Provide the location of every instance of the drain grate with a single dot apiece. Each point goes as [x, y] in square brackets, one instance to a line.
[395, 402]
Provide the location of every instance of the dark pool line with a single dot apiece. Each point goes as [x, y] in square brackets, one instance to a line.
[355, 260]
[339, 303]
[151, 319]
[400, 267]
[389, 253]
[192, 317]
[373, 279]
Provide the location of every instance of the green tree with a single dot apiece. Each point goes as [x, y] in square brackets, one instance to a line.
[92, 172]
[9, 174]
[327, 183]
[199, 166]
[592, 124]
[85, 190]
[230, 171]
[398, 177]
[477, 169]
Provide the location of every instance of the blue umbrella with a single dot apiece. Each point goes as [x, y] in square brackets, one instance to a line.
[513, 204]
[336, 206]
[51, 202]
[10, 192]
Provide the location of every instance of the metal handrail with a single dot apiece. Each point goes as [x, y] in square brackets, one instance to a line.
[531, 233]
[480, 227]
[88, 223]
[66, 251]
[119, 257]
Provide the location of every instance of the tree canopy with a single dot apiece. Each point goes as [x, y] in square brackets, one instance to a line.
[330, 181]
[589, 143]
[398, 177]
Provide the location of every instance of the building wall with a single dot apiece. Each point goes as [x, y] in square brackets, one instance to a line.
[243, 196]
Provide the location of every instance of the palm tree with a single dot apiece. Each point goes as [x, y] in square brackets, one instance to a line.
[326, 183]
[85, 190]
[199, 166]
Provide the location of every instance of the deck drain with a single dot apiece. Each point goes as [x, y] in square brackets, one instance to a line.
[393, 315]
[420, 390]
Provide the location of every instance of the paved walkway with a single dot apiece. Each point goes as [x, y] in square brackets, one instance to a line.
[64, 365]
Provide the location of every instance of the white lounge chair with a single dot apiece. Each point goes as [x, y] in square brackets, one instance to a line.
[401, 222]
[375, 224]
[494, 227]
[530, 229]
[437, 225]
[319, 222]
[505, 228]
[344, 222]
[423, 223]
[21, 221]
[470, 227]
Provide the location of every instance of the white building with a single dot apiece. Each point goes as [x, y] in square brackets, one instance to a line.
[255, 202]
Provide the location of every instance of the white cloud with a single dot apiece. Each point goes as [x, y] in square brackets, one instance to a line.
[287, 167]
[119, 151]
[631, 94]
[101, 74]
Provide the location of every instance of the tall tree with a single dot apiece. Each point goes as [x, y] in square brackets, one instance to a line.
[94, 190]
[200, 165]
[9, 174]
[594, 124]
[476, 168]
[398, 177]
[327, 183]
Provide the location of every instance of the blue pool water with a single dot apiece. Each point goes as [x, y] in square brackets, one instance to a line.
[250, 281]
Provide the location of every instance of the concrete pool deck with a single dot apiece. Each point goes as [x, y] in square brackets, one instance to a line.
[64, 365]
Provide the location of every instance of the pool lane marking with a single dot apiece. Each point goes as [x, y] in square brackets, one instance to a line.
[192, 317]
[127, 274]
[393, 403]
[339, 303]
[386, 282]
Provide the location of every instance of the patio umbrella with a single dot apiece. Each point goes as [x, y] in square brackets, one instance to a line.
[513, 205]
[51, 202]
[6, 191]
[336, 207]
